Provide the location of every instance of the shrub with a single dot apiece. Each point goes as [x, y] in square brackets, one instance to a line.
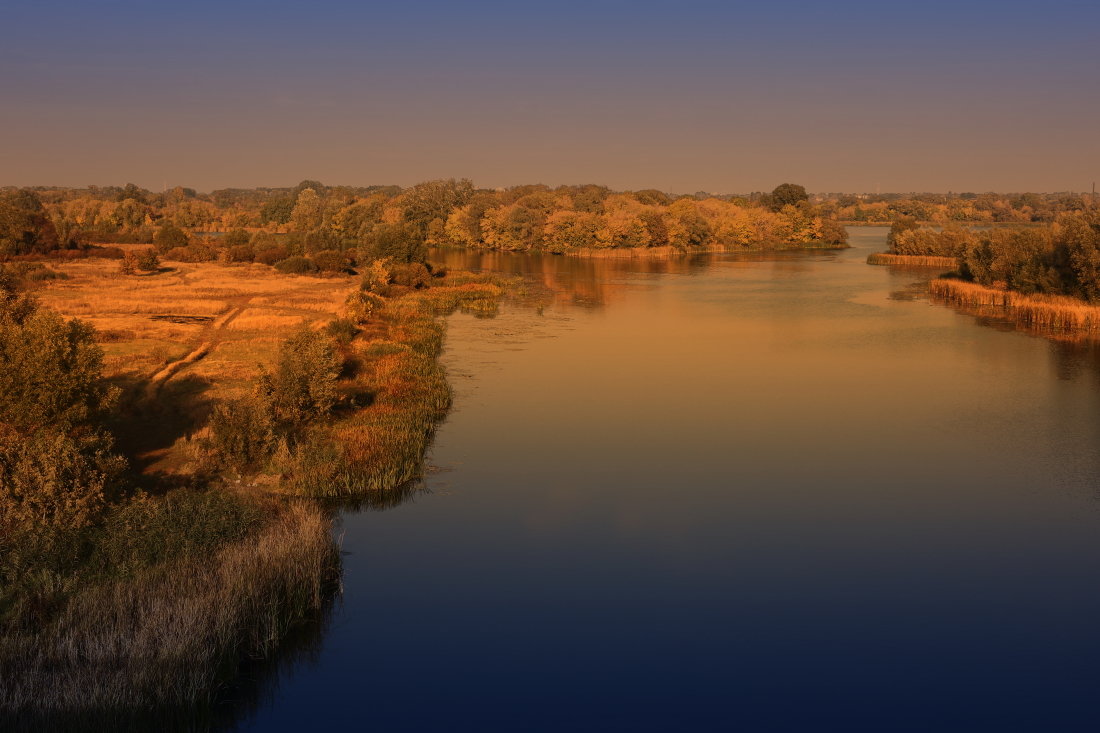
[169, 237]
[412, 275]
[330, 260]
[128, 266]
[243, 433]
[304, 382]
[362, 305]
[296, 266]
[52, 480]
[52, 368]
[147, 260]
[376, 278]
[271, 255]
[342, 330]
[241, 253]
[235, 238]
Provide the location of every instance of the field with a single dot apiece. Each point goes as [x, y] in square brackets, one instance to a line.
[189, 334]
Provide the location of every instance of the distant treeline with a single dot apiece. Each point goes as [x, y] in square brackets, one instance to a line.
[312, 217]
[1060, 258]
[984, 208]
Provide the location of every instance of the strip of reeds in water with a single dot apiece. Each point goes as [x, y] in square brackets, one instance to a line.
[885, 258]
[1045, 312]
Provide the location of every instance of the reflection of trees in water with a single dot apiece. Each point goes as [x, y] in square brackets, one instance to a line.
[1076, 358]
[586, 282]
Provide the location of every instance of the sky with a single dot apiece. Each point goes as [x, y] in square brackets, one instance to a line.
[713, 96]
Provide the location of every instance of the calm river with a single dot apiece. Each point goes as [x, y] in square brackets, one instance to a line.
[780, 493]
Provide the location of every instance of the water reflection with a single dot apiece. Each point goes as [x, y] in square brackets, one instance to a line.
[731, 492]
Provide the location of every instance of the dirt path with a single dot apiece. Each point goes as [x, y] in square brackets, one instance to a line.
[211, 338]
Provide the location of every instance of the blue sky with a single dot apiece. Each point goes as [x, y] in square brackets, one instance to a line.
[703, 96]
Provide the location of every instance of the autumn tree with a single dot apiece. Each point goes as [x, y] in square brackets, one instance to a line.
[25, 226]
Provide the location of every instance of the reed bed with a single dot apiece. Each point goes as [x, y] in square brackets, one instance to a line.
[163, 641]
[1044, 312]
[885, 258]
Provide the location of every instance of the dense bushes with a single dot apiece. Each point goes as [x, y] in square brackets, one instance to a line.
[1059, 259]
[296, 266]
[302, 388]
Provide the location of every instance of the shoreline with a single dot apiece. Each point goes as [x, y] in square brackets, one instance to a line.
[1048, 315]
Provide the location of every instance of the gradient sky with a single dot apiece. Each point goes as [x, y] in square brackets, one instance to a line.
[716, 96]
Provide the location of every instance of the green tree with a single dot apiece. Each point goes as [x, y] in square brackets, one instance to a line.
[787, 194]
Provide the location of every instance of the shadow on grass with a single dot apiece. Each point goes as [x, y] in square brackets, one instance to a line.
[146, 428]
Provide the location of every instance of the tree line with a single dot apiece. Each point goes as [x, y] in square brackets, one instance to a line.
[387, 220]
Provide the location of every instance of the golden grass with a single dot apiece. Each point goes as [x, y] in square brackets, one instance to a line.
[255, 319]
[1045, 312]
[166, 638]
[885, 258]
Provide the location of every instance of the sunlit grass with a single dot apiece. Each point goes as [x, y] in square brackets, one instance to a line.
[1047, 312]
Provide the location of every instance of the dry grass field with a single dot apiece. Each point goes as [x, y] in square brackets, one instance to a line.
[195, 332]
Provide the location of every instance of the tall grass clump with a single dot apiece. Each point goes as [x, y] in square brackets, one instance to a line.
[885, 258]
[155, 644]
[1043, 312]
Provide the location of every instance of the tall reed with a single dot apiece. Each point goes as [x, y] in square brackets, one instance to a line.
[1045, 312]
[885, 258]
[158, 645]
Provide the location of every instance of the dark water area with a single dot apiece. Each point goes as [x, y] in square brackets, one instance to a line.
[773, 492]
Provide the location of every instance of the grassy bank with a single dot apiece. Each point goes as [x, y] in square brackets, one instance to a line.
[152, 646]
[885, 258]
[381, 447]
[1048, 313]
[136, 609]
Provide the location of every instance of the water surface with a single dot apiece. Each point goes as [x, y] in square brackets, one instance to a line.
[773, 493]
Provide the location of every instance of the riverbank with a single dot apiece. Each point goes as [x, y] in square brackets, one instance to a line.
[144, 615]
[1051, 314]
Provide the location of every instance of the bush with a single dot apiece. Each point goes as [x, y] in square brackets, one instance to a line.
[199, 252]
[128, 266]
[362, 305]
[271, 255]
[235, 238]
[412, 275]
[241, 253]
[52, 369]
[243, 433]
[169, 237]
[296, 266]
[342, 330]
[147, 260]
[304, 383]
[330, 260]
[52, 480]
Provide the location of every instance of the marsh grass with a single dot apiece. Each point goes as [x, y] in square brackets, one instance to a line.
[380, 448]
[1053, 313]
[885, 258]
[152, 637]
